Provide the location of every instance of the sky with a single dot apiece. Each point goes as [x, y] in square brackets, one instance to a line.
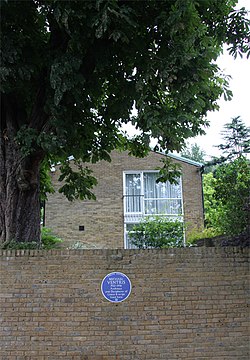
[239, 69]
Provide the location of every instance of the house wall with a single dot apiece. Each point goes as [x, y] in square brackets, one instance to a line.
[103, 219]
[187, 304]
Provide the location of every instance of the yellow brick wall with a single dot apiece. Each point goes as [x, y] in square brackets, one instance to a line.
[188, 304]
[103, 219]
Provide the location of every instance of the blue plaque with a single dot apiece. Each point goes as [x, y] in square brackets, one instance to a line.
[116, 287]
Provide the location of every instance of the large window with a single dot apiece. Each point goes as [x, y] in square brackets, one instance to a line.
[143, 196]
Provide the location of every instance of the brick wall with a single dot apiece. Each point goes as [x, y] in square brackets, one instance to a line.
[103, 219]
[185, 304]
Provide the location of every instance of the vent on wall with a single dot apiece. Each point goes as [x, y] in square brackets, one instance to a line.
[81, 227]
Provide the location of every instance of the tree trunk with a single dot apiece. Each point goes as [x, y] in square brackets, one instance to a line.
[19, 202]
[19, 187]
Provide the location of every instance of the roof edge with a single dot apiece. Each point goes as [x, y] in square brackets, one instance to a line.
[173, 156]
[181, 158]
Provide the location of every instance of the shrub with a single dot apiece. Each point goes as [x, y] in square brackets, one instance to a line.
[157, 232]
[14, 245]
[198, 234]
[48, 242]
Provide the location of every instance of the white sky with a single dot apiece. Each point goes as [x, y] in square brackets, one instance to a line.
[239, 69]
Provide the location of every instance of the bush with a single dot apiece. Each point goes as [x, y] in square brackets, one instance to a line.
[48, 242]
[14, 245]
[157, 232]
[198, 234]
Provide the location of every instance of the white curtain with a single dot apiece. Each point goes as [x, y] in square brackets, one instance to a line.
[159, 198]
[133, 193]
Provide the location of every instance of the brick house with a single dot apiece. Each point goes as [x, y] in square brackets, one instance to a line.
[126, 192]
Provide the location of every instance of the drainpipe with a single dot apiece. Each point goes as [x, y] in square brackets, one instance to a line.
[202, 194]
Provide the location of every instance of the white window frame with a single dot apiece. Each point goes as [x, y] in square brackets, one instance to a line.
[137, 216]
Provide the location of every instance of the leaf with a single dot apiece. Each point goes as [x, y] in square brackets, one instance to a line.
[77, 184]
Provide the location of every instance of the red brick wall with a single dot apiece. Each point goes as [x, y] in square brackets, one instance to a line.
[103, 219]
[185, 304]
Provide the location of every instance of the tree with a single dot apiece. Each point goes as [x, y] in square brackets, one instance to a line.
[237, 139]
[236, 136]
[227, 189]
[194, 152]
[73, 70]
[227, 197]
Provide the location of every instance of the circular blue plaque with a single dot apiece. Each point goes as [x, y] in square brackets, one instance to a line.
[116, 287]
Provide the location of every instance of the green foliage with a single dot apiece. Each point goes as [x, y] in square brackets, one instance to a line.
[197, 234]
[194, 152]
[236, 137]
[232, 190]
[46, 186]
[48, 242]
[226, 197]
[212, 206]
[157, 232]
[77, 183]
[169, 171]
[73, 71]
[227, 189]
[80, 67]
[14, 245]
[236, 28]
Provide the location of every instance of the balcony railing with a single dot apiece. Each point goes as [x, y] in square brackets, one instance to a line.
[136, 206]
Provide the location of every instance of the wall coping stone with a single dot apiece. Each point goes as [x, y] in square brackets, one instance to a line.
[117, 254]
